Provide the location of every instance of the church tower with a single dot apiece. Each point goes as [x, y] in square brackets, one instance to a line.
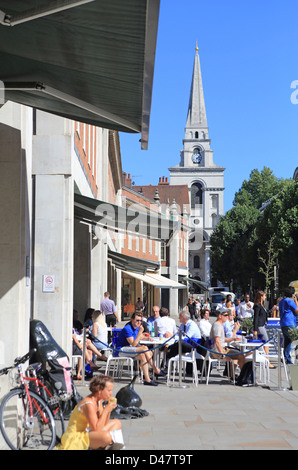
[204, 178]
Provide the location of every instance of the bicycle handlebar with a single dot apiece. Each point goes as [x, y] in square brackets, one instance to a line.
[18, 361]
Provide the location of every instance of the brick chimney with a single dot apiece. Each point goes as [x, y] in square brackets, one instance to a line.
[126, 179]
[163, 181]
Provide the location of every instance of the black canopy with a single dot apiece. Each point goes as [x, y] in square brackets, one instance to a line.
[87, 60]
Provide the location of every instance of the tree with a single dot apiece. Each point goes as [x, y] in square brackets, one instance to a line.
[267, 262]
[259, 189]
[247, 239]
[227, 238]
[280, 219]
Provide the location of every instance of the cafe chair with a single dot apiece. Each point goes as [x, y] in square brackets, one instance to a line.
[119, 366]
[207, 367]
[115, 367]
[261, 365]
[74, 361]
[186, 358]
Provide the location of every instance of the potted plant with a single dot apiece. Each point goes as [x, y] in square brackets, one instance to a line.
[293, 334]
[293, 368]
[247, 325]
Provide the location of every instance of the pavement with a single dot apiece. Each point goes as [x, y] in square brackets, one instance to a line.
[184, 419]
[217, 416]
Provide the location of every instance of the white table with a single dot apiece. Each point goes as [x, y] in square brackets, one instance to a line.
[247, 346]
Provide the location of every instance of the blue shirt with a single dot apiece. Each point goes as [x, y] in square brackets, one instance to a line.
[191, 329]
[287, 308]
[228, 329]
[127, 332]
[150, 322]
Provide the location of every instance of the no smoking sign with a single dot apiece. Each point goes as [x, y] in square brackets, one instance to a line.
[48, 283]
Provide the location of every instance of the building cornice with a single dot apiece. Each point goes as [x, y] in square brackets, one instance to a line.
[181, 169]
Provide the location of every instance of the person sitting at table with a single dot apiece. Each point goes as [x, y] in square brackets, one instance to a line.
[128, 344]
[164, 325]
[218, 341]
[191, 332]
[90, 349]
[230, 327]
[153, 317]
[100, 330]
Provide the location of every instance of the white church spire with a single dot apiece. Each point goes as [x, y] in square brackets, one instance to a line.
[197, 118]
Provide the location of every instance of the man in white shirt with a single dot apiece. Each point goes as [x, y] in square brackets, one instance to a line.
[246, 308]
[164, 325]
[204, 324]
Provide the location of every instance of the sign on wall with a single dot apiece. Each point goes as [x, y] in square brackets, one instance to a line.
[48, 283]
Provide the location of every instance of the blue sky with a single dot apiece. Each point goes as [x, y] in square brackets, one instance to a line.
[249, 59]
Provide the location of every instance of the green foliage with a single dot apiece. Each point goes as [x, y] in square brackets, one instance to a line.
[293, 334]
[260, 187]
[247, 325]
[247, 241]
[230, 234]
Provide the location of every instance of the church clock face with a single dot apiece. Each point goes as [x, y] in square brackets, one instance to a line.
[197, 155]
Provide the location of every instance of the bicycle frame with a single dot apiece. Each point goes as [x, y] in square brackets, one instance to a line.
[31, 402]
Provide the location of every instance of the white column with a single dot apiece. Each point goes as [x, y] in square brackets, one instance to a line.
[15, 210]
[54, 226]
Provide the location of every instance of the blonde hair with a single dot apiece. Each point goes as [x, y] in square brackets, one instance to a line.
[99, 317]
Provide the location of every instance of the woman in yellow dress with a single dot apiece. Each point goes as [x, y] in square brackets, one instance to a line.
[90, 425]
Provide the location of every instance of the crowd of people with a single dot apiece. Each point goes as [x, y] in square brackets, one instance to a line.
[90, 425]
[195, 323]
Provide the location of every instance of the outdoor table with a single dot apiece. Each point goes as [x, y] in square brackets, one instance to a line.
[248, 345]
[156, 352]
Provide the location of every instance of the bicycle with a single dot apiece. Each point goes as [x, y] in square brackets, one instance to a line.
[40, 384]
[26, 419]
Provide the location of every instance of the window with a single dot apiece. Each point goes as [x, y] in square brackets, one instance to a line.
[214, 200]
[163, 253]
[196, 195]
[196, 262]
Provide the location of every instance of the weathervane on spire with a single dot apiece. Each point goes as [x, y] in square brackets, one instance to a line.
[197, 47]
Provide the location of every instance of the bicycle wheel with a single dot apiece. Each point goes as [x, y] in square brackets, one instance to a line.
[23, 427]
[56, 407]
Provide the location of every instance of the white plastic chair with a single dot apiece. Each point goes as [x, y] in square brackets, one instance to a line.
[115, 366]
[74, 360]
[211, 361]
[262, 364]
[186, 358]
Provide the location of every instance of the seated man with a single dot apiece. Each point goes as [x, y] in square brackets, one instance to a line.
[191, 330]
[128, 343]
[164, 325]
[218, 340]
[230, 326]
[153, 317]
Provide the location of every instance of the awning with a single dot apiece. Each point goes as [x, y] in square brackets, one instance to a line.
[87, 60]
[157, 280]
[201, 284]
[123, 219]
[130, 263]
